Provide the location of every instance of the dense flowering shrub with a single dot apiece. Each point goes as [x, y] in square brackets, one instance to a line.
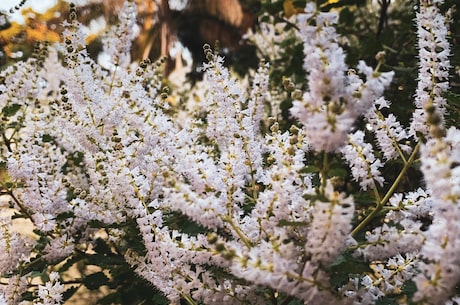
[210, 210]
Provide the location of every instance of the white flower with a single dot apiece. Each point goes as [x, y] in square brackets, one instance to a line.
[386, 241]
[440, 159]
[330, 225]
[334, 99]
[387, 278]
[51, 292]
[363, 164]
[434, 65]
[44, 222]
[440, 265]
[59, 247]
[454, 301]
[15, 249]
[118, 43]
[14, 289]
[258, 96]
[412, 205]
[388, 131]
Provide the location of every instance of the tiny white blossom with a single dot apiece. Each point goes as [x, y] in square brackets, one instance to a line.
[434, 64]
[51, 292]
[363, 163]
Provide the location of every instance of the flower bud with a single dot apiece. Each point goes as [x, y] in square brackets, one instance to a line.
[212, 238]
[275, 127]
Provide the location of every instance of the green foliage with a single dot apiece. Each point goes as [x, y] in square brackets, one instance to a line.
[326, 5]
[10, 110]
[346, 266]
[69, 293]
[272, 7]
[95, 280]
[453, 109]
[182, 223]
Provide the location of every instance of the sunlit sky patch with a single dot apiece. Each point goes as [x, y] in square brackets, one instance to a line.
[38, 5]
[42, 5]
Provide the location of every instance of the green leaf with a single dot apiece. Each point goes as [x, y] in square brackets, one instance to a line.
[36, 273]
[287, 223]
[69, 293]
[344, 267]
[409, 288]
[95, 280]
[37, 269]
[272, 8]
[364, 199]
[295, 302]
[71, 261]
[338, 172]
[347, 17]
[310, 169]
[387, 301]
[184, 224]
[11, 110]
[97, 224]
[112, 298]
[28, 296]
[453, 108]
[101, 247]
[64, 216]
[18, 215]
[104, 261]
[299, 3]
[46, 138]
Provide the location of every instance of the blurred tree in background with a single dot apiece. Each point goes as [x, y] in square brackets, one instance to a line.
[160, 27]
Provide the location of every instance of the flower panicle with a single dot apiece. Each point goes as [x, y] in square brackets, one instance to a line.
[335, 96]
[434, 65]
[365, 167]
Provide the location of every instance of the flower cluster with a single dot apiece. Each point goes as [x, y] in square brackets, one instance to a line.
[363, 163]
[389, 133]
[335, 96]
[216, 209]
[440, 265]
[51, 292]
[434, 51]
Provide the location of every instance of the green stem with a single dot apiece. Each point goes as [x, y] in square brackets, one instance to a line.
[323, 173]
[287, 300]
[188, 299]
[113, 79]
[389, 193]
[393, 139]
[251, 170]
[376, 192]
[22, 208]
[409, 163]
[7, 142]
[238, 232]
[253, 185]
